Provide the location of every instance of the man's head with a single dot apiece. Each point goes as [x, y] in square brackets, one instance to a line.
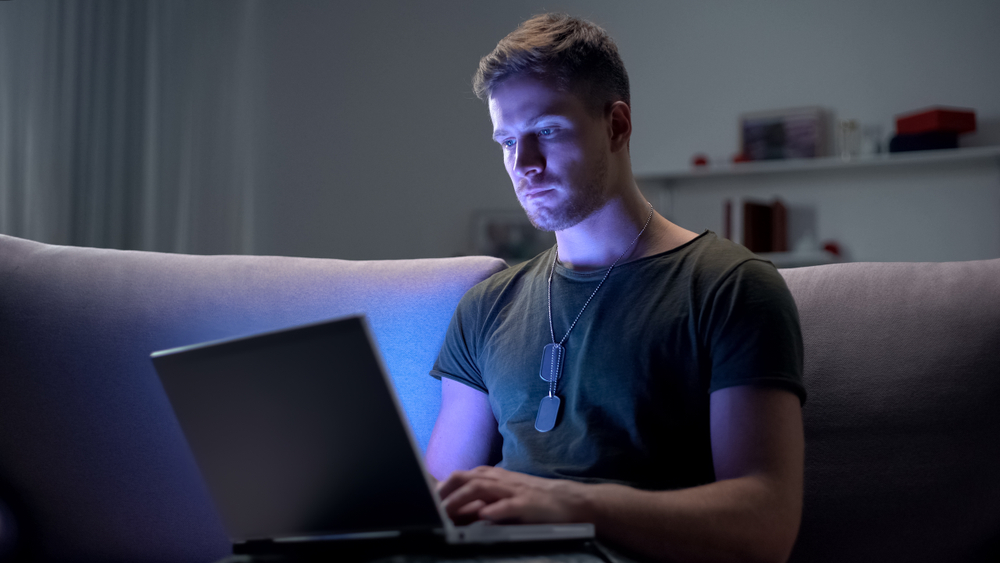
[580, 56]
[558, 97]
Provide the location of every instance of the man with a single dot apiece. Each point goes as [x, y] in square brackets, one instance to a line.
[638, 376]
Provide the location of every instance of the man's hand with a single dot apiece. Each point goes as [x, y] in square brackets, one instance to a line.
[498, 495]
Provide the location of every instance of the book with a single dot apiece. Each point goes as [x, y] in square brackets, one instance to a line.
[758, 225]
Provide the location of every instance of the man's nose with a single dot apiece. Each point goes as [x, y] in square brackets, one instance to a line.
[528, 159]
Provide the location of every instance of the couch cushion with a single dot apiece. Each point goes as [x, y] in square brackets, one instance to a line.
[902, 366]
[88, 439]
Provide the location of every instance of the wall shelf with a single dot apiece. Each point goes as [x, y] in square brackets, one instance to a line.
[942, 156]
[927, 206]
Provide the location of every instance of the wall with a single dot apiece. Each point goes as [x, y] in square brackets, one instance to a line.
[367, 142]
[378, 149]
[375, 146]
[710, 61]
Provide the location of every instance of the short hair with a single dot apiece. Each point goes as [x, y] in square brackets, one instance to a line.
[579, 55]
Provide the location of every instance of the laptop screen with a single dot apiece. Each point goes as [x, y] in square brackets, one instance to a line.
[297, 433]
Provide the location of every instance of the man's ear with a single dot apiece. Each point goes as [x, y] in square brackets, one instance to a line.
[621, 125]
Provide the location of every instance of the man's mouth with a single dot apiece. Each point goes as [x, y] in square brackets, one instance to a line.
[534, 192]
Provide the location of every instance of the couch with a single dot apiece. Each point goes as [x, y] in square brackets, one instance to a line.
[902, 369]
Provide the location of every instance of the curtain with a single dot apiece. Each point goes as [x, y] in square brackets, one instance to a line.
[128, 124]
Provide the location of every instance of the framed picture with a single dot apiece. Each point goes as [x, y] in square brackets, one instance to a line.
[508, 235]
[778, 134]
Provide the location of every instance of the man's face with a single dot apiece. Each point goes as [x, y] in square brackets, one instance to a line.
[554, 149]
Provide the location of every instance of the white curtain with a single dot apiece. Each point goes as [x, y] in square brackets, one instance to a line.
[128, 124]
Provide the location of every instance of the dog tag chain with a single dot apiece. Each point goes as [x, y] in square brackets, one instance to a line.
[553, 355]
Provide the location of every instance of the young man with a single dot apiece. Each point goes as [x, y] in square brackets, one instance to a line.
[638, 376]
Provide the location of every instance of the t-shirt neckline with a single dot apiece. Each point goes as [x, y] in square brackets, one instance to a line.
[590, 275]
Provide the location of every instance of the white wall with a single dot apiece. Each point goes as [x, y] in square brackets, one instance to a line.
[696, 66]
[375, 147]
[349, 129]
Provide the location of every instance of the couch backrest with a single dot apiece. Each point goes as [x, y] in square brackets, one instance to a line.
[902, 367]
[92, 461]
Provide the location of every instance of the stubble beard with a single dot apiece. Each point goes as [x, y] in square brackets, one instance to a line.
[581, 204]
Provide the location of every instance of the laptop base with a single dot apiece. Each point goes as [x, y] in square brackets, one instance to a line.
[418, 546]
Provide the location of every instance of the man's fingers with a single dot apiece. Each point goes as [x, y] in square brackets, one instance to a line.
[482, 490]
[508, 510]
[494, 494]
[460, 478]
[468, 513]
[524, 509]
[472, 508]
[454, 481]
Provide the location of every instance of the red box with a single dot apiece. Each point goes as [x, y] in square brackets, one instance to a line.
[956, 120]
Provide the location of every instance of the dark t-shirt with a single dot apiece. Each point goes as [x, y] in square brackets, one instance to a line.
[662, 333]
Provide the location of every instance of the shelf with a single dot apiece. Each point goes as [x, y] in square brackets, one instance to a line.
[831, 163]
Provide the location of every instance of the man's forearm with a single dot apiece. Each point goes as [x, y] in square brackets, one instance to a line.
[743, 519]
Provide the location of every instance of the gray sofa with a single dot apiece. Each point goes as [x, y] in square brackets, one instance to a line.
[902, 370]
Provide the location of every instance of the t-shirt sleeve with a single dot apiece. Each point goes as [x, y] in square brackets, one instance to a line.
[458, 357]
[753, 333]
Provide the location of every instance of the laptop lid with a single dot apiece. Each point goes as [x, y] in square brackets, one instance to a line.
[298, 433]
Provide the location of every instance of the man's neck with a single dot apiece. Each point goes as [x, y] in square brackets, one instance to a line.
[607, 234]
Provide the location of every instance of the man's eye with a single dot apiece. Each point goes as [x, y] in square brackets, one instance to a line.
[545, 132]
[508, 143]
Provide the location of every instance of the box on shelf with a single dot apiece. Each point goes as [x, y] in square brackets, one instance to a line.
[953, 120]
[929, 140]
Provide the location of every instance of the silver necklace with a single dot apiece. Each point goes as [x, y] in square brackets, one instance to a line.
[554, 354]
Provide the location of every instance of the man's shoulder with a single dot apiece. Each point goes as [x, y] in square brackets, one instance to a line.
[709, 259]
[506, 281]
[503, 279]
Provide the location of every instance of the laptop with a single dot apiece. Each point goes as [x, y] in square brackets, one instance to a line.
[300, 437]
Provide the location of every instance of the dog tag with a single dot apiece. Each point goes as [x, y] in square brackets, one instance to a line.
[548, 410]
[552, 362]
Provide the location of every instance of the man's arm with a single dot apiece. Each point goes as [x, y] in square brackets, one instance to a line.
[751, 513]
[465, 434]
